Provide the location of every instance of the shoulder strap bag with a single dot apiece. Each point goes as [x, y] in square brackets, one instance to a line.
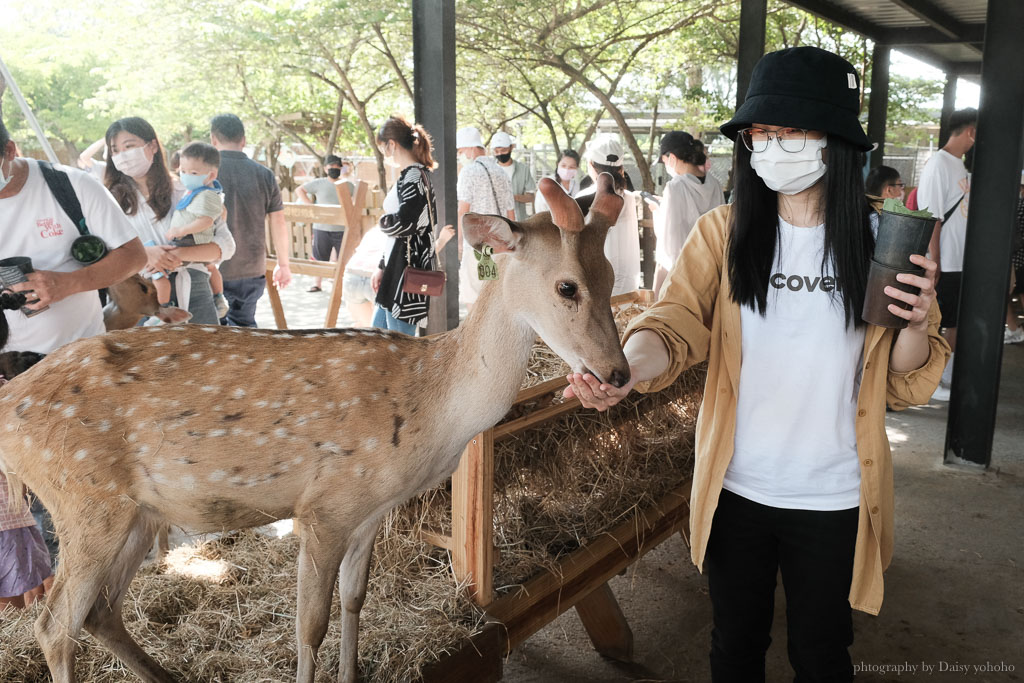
[418, 280]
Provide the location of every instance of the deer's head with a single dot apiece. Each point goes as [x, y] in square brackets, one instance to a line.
[134, 298]
[556, 276]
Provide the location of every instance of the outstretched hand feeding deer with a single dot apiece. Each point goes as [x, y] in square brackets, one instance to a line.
[353, 423]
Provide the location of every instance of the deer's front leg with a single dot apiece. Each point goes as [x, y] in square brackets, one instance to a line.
[320, 554]
[355, 570]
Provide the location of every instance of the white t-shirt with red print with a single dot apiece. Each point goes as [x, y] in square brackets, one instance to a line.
[33, 224]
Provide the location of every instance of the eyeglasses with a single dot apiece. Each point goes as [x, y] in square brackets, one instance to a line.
[790, 140]
[899, 185]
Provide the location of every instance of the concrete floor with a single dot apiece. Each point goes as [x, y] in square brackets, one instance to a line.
[954, 591]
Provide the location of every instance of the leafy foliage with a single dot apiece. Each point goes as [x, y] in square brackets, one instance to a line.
[322, 74]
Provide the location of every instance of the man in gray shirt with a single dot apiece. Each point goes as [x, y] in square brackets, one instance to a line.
[251, 196]
[324, 192]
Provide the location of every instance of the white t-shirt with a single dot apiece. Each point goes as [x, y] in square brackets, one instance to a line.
[796, 442]
[34, 225]
[944, 180]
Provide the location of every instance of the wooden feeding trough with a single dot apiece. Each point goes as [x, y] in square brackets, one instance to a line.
[581, 579]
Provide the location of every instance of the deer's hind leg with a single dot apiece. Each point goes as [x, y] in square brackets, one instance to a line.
[322, 544]
[355, 572]
[104, 620]
[90, 549]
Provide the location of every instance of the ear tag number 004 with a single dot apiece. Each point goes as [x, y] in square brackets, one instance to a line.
[486, 268]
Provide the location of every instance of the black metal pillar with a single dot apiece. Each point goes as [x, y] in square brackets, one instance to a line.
[433, 40]
[878, 106]
[948, 105]
[751, 43]
[990, 221]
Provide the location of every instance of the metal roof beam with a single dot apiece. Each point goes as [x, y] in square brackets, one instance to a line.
[934, 16]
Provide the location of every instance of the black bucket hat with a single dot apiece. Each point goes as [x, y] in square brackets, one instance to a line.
[803, 87]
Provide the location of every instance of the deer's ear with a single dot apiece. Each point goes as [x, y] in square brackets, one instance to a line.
[501, 234]
[172, 314]
[606, 203]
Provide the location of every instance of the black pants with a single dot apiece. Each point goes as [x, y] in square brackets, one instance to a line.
[749, 544]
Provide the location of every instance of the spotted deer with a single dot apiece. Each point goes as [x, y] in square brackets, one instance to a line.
[217, 428]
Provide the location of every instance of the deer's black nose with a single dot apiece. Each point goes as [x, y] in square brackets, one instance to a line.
[619, 378]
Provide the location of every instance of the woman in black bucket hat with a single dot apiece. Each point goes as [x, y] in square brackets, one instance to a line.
[792, 469]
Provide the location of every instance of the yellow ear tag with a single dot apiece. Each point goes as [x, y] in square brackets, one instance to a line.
[486, 268]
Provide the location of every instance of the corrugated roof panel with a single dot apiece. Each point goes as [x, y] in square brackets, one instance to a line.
[966, 11]
[880, 12]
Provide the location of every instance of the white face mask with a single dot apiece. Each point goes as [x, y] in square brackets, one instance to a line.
[133, 162]
[566, 174]
[790, 173]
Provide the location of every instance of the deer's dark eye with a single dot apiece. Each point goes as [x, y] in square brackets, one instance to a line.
[567, 289]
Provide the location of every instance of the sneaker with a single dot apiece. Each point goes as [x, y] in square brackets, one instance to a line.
[941, 393]
[1013, 336]
[221, 305]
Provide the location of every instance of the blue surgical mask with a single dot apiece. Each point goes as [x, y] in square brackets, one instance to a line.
[191, 181]
[5, 179]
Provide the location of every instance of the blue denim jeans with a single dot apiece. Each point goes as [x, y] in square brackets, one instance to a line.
[242, 296]
[383, 320]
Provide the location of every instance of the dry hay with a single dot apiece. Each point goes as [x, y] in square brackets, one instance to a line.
[226, 611]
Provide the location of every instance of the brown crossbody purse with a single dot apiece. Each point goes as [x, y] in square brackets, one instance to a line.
[418, 280]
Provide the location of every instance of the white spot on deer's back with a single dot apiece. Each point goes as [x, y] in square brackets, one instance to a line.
[69, 411]
[361, 471]
[260, 334]
[352, 367]
[260, 440]
[211, 361]
[238, 393]
[207, 328]
[159, 343]
[209, 388]
[216, 475]
[186, 342]
[47, 454]
[235, 480]
[81, 454]
[392, 347]
[370, 443]
[288, 375]
[260, 404]
[103, 426]
[281, 433]
[86, 360]
[218, 432]
[188, 482]
[121, 346]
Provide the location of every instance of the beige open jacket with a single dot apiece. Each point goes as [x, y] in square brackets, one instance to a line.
[697, 319]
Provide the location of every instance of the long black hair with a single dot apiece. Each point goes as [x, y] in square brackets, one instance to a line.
[754, 231]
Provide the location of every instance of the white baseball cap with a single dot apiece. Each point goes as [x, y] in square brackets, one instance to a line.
[606, 150]
[501, 139]
[468, 137]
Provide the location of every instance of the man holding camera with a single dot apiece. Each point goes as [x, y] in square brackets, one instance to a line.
[34, 225]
